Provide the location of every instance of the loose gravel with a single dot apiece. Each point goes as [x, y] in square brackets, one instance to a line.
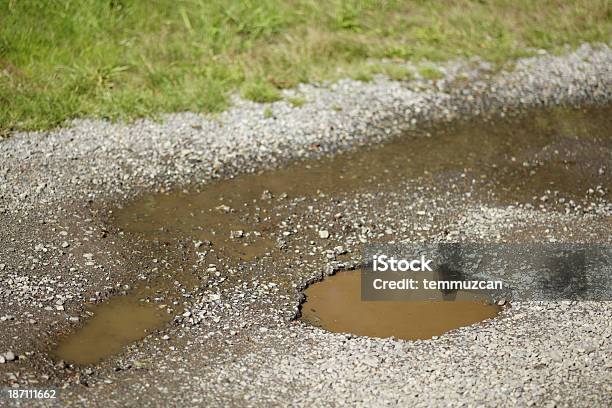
[240, 345]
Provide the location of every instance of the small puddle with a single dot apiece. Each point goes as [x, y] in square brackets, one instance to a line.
[559, 152]
[335, 304]
[120, 321]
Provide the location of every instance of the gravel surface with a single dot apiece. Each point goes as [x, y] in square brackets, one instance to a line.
[238, 344]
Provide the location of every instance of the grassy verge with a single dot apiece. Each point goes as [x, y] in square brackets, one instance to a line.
[132, 58]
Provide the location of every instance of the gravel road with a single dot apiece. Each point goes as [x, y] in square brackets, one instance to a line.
[238, 343]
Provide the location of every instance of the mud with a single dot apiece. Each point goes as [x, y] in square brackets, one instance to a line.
[557, 152]
[335, 304]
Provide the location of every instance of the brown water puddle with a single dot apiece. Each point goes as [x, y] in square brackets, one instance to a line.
[335, 304]
[559, 152]
[116, 323]
[560, 149]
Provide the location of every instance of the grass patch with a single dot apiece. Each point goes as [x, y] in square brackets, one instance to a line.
[430, 73]
[121, 59]
[296, 101]
[260, 91]
[365, 72]
[397, 72]
[267, 113]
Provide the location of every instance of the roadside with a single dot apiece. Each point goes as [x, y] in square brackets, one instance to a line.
[128, 59]
[58, 187]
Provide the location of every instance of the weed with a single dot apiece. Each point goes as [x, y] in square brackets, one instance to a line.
[430, 73]
[260, 91]
[296, 101]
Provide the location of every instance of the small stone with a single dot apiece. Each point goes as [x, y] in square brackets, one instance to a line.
[223, 208]
[9, 356]
[236, 234]
[166, 337]
[323, 234]
[501, 302]
[556, 356]
[65, 244]
[340, 250]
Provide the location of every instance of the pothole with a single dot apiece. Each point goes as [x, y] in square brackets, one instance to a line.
[543, 157]
[116, 323]
[335, 304]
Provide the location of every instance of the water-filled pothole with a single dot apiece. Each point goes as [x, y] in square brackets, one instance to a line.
[558, 153]
[120, 321]
[335, 304]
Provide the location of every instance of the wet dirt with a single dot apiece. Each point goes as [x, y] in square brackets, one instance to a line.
[557, 154]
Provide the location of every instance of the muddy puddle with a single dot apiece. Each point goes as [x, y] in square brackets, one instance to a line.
[114, 324]
[557, 154]
[335, 304]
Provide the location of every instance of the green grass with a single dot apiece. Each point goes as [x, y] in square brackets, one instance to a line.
[366, 71]
[430, 73]
[260, 91]
[121, 59]
[296, 101]
[267, 114]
